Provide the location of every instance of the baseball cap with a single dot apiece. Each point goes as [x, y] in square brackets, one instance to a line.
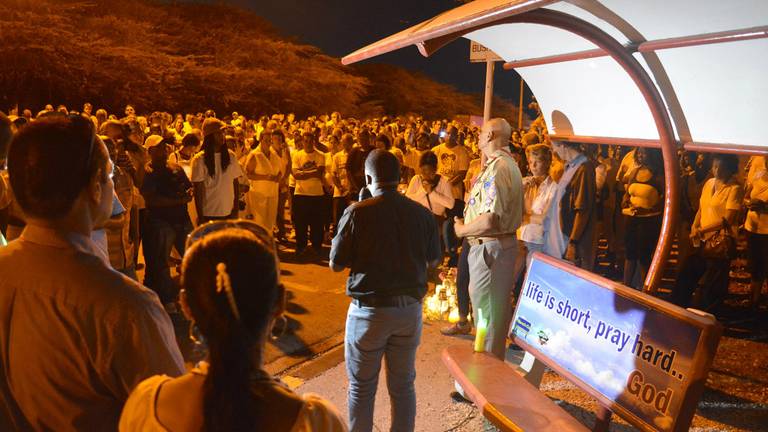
[212, 125]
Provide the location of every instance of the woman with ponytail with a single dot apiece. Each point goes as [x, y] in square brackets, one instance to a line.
[232, 296]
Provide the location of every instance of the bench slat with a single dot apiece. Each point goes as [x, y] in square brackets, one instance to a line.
[505, 397]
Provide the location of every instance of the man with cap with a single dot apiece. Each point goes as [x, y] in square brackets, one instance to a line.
[215, 173]
[166, 191]
[491, 218]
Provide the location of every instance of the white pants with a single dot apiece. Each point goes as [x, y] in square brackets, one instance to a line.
[263, 209]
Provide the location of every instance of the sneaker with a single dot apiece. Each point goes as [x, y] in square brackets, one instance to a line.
[457, 329]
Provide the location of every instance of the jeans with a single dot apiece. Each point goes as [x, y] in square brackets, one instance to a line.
[372, 333]
[490, 289]
[160, 237]
[308, 214]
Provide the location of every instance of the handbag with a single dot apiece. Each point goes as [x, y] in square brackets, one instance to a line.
[720, 245]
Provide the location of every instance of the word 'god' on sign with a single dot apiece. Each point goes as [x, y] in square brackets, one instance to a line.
[632, 349]
[479, 53]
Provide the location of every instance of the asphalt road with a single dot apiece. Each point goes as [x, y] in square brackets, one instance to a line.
[316, 312]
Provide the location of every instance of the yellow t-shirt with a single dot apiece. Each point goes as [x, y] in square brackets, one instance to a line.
[713, 205]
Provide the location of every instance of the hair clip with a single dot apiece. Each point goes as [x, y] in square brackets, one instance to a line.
[223, 283]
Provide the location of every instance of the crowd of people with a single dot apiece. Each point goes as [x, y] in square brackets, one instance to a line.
[84, 192]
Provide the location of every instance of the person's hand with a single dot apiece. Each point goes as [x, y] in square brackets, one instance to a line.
[427, 186]
[756, 205]
[695, 232]
[188, 196]
[570, 253]
[458, 226]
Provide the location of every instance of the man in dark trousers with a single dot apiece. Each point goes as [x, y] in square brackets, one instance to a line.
[388, 242]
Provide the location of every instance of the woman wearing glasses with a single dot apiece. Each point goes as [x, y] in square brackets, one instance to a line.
[232, 296]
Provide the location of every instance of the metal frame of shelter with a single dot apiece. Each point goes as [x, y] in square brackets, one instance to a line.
[665, 71]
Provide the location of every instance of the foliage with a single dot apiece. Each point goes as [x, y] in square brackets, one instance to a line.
[183, 57]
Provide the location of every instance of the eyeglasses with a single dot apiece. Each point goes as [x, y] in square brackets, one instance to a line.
[262, 235]
[223, 283]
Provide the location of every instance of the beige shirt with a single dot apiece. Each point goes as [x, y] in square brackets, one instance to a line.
[75, 336]
[499, 190]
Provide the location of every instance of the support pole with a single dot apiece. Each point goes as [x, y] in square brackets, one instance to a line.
[489, 67]
[520, 106]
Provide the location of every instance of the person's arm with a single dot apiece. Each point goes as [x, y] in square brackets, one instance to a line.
[443, 195]
[342, 245]
[235, 205]
[483, 225]
[415, 191]
[154, 199]
[584, 202]
[199, 194]
[458, 178]
[143, 345]
[319, 172]
[115, 222]
[351, 166]
[696, 226]
[335, 173]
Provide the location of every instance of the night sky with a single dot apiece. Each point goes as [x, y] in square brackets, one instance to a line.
[340, 27]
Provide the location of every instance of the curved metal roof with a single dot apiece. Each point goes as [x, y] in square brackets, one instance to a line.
[707, 58]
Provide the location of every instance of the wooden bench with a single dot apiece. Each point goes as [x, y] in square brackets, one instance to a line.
[654, 380]
[505, 397]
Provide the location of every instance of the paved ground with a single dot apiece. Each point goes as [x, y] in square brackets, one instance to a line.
[736, 398]
[310, 358]
[316, 312]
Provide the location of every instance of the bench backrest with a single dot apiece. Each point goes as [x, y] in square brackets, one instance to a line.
[643, 358]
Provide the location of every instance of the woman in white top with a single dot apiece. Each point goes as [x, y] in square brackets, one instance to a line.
[263, 168]
[719, 207]
[232, 295]
[429, 189]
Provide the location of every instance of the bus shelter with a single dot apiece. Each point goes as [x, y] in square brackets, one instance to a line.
[676, 75]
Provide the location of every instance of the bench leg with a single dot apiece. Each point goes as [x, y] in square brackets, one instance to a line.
[532, 370]
[602, 419]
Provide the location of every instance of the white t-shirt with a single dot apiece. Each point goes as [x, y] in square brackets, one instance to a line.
[714, 205]
[259, 163]
[451, 161]
[303, 160]
[219, 188]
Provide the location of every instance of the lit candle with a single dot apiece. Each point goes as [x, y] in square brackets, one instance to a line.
[482, 330]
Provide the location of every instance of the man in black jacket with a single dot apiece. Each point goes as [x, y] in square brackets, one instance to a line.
[388, 241]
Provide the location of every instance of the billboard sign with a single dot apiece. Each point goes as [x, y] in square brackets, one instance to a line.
[617, 342]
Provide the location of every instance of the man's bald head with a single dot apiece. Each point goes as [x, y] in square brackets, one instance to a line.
[494, 135]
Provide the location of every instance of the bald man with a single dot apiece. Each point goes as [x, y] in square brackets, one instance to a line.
[491, 218]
